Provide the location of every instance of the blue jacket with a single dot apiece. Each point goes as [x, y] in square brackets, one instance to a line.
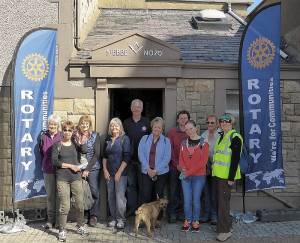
[162, 156]
[116, 153]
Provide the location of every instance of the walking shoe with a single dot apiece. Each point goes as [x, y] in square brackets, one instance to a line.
[112, 223]
[224, 236]
[120, 224]
[195, 226]
[82, 230]
[93, 221]
[186, 225]
[62, 235]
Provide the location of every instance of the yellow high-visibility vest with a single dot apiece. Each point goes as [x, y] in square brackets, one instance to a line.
[222, 156]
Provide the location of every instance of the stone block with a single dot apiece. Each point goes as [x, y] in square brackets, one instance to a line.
[180, 93]
[63, 105]
[288, 146]
[184, 105]
[293, 118]
[4, 107]
[297, 109]
[292, 180]
[285, 126]
[4, 127]
[185, 82]
[196, 102]
[193, 95]
[286, 98]
[5, 153]
[288, 109]
[62, 114]
[204, 85]
[287, 139]
[295, 98]
[84, 106]
[207, 98]
[6, 144]
[292, 86]
[295, 127]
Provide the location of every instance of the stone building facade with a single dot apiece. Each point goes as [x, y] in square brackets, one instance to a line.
[196, 70]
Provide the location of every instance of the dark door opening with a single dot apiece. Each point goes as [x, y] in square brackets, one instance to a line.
[120, 101]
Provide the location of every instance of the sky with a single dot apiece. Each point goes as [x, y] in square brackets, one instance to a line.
[255, 3]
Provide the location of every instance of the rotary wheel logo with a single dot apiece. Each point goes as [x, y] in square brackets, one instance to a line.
[35, 67]
[261, 53]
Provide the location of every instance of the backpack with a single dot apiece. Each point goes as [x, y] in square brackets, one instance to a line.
[245, 159]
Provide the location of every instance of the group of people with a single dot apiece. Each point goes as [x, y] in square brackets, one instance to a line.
[138, 161]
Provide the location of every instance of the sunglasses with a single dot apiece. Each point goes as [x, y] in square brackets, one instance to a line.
[68, 130]
[208, 122]
[226, 121]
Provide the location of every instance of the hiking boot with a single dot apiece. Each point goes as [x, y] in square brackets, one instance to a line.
[172, 219]
[62, 236]
[186, 225]
[195, 226]
[120, 224]
[82, 230]
[112, 224]
[224, 236]
[93, 221]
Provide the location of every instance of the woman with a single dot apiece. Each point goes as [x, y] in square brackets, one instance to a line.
[115, 159]
[154, 154]
[47, 139]
[192, 162]
[85, 135]
[65, 157]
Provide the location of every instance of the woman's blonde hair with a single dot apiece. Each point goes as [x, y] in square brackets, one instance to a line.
[158, 120]
[85, 118]
[68, 124]
[118, 122]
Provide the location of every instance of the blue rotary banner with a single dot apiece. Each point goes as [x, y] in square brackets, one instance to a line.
[33, 103]
[260, 92]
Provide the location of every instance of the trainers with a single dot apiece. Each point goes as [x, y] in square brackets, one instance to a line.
[93, 221]
[120, 224]
[224, 236]
[195, 226]
[82, 230]
[112, 223]
[62, 235]
[186, 225]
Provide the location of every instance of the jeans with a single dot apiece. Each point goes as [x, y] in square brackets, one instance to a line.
[210, 212]
[175, 193]
[116, 197]
[93, 180]
[149, 185]
[63, 190]
[134, 194]
[52, 199]
[192, 187]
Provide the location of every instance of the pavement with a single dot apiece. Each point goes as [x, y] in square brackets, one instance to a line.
[273, 232]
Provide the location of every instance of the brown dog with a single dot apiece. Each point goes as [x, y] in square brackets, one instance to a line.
[148, 213]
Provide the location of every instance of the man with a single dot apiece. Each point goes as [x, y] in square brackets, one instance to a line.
[210, 135]
[225, 170]
[135, 128]
[176, 136]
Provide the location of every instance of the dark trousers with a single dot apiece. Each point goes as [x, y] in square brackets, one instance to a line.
[134, 182]
[175, 193]
[157, 187]
[94, 180]
[210, 211]
[223, 194]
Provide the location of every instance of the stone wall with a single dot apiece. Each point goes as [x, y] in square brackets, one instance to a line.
[197, 97]
[17, 17]
[291, 140]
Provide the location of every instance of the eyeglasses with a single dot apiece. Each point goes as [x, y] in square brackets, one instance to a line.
[208, 122]
[225, 121]
[68, 130]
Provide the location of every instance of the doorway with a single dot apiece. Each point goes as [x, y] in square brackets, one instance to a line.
[120, 101]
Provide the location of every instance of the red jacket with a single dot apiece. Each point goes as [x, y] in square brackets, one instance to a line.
[196, 164]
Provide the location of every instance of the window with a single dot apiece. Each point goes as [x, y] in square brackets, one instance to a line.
[232, 105]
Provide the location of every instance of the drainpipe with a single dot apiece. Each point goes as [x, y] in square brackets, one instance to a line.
[243, 22]
[76, 37]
